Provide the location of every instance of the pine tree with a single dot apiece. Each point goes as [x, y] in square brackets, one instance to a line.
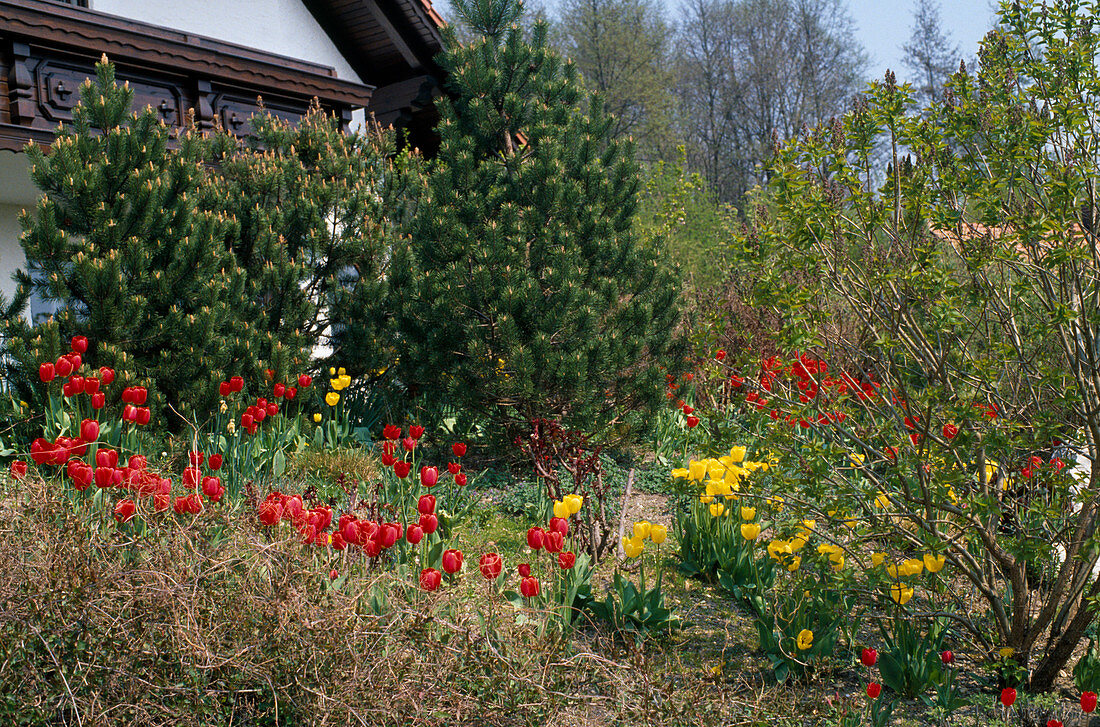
[117, 243]
[313, 213]
[524, 292]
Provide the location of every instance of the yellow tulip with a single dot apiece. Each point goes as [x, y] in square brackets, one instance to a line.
[317, 417]
[332, 398]
[1006, 652]
[882, 501]
[805, 639]
[892, 571]
[680, 473]
[795, 563]
[331, 371]
[778, 549]
[837, 560]
[776, 502]
[658, 533]
[706, 499]
[856, 459]
[851, 523]
[641, 530]
[933, 563]
[561, 509]
[750, 531]
[809, 525]
[341, 371]
[335, 384]
[345, 380]
[748, 513]
[876, 559]
[631, 549]
[901, 593]
[575, 503]
[697, 470]
[912, 567]
[799, 540]
[737, 454]
[717, 509]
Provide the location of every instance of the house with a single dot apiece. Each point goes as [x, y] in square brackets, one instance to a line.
[217, 57]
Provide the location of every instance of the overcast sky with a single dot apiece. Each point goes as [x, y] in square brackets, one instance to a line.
[885, 25]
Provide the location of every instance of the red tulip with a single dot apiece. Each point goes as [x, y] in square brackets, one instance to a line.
[529, 587]
[391, 431]
[559, 525]
[1088, 702]
[947, 657]
[426, 504]
[98, 400]
[143, 415]
[416, 431]
[212, 488]
[1054, 723]
[452, 560]
[269, 373]
[63, 367]
[270, 513]
[91, 386]
[429, 523]
[553, 541]
[161, 501]
[720, 355]
[106, 375]
[246, 421]
[430, 579]
[868, 657]
[225, 388]
[1008, 696]
[272, 409]
[125, 510]
[388, 460]
[454, 468]
[215, 462]
[414, 534]
[459, 449]
[692, 422]
[567, 560]
[402, 468]
[460, 479]
[950, 431]
[237, 383]
[79, 344]
[18, 469]
[873, 690]
[278, 390]
[524, 570]
[304, 381]
[191, 477]
[140, 395]
[106, 458]
[89, 430]
[491, 565]
[196, 458]
[137, 462]
[429, 476]
[409, 443]
[688, 410]
[46, 372]
[535, 538]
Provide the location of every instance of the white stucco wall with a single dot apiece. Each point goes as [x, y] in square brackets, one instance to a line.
[277, 26]
[16, 192]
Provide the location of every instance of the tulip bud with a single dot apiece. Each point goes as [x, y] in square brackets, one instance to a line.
[237, 383]
[1088, 702]
[553, 541]
[535, 538]
[63, 367]
[868, 657]
[278, 390]
[452, 560]
[429, 476]
[459, 449]
[947, 657]
[46, 372]
[873, 690]
[409, 443]
[79, 344]
[524, 570]
[91, 386]
[559, 525]
[304, 380]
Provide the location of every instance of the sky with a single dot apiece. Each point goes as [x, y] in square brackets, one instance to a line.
[883, 26]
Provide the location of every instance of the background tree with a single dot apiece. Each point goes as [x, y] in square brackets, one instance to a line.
[755, 70]
[117, 242]
[524, 291]
[621, 48]
[929, 54]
